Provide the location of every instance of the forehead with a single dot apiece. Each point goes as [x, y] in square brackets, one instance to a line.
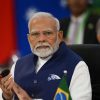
[42, 23]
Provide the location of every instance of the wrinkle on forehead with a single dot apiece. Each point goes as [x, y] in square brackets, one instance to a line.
[36, 30]
[46, 23]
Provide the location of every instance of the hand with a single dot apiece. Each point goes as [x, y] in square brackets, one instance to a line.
[6, 85]
[22, 95]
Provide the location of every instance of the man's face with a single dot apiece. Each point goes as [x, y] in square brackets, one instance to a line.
[43, 37]
[77, 6]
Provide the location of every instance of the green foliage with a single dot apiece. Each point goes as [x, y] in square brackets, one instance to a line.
[96, 6]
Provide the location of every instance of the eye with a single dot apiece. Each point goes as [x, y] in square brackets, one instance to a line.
[34, 34]
[47, 33]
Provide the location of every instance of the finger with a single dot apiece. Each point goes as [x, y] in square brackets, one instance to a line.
[17, 89]
[9, 83]
[3, 80]
[6, 83]
[22, 95]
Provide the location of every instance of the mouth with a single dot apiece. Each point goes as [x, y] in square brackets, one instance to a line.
[42, 47]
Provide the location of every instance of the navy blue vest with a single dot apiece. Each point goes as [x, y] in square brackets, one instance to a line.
[38, 85]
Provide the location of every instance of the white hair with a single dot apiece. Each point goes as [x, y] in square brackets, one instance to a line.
[44, 14]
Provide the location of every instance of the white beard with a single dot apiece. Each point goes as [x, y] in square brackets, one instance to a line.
[45, 52]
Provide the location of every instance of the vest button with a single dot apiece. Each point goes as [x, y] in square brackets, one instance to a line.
[35, 81]
[32, 95]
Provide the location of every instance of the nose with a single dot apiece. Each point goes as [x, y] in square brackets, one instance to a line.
[42, 37]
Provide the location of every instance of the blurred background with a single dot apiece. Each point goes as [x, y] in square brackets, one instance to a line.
[14, 15]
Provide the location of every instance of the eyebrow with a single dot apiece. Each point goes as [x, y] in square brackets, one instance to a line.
[48, 29]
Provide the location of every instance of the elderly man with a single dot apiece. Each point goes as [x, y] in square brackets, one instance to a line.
[37, 75]
[80, 27]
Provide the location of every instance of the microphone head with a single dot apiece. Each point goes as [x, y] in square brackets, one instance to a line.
[5, 73]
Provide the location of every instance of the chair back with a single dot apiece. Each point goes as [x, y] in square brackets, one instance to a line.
[91, 55]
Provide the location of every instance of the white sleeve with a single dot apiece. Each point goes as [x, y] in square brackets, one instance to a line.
[14, 58]
[80, 86]
[12, 70]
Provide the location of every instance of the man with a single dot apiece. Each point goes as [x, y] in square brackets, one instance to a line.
[81, 26]
[38, 75]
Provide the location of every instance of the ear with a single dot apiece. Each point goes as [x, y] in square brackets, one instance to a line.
[60, 36]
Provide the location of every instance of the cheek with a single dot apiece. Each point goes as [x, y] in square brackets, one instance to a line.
[52, 41]
[32, 43]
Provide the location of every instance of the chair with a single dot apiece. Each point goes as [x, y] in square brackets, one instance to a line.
[91, 55]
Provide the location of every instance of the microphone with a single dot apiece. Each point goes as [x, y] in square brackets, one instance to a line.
[4, 73]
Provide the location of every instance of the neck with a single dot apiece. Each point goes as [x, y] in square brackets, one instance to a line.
[79, 14]
[43, 58]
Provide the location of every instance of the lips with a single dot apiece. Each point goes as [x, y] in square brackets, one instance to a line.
[42, 47]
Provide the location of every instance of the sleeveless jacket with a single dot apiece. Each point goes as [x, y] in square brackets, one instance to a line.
[42, 84]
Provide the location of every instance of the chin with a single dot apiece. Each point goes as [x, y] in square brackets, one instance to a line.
[43, 52]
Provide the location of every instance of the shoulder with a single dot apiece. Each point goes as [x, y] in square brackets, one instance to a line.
[25, 58]
[69, 54]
